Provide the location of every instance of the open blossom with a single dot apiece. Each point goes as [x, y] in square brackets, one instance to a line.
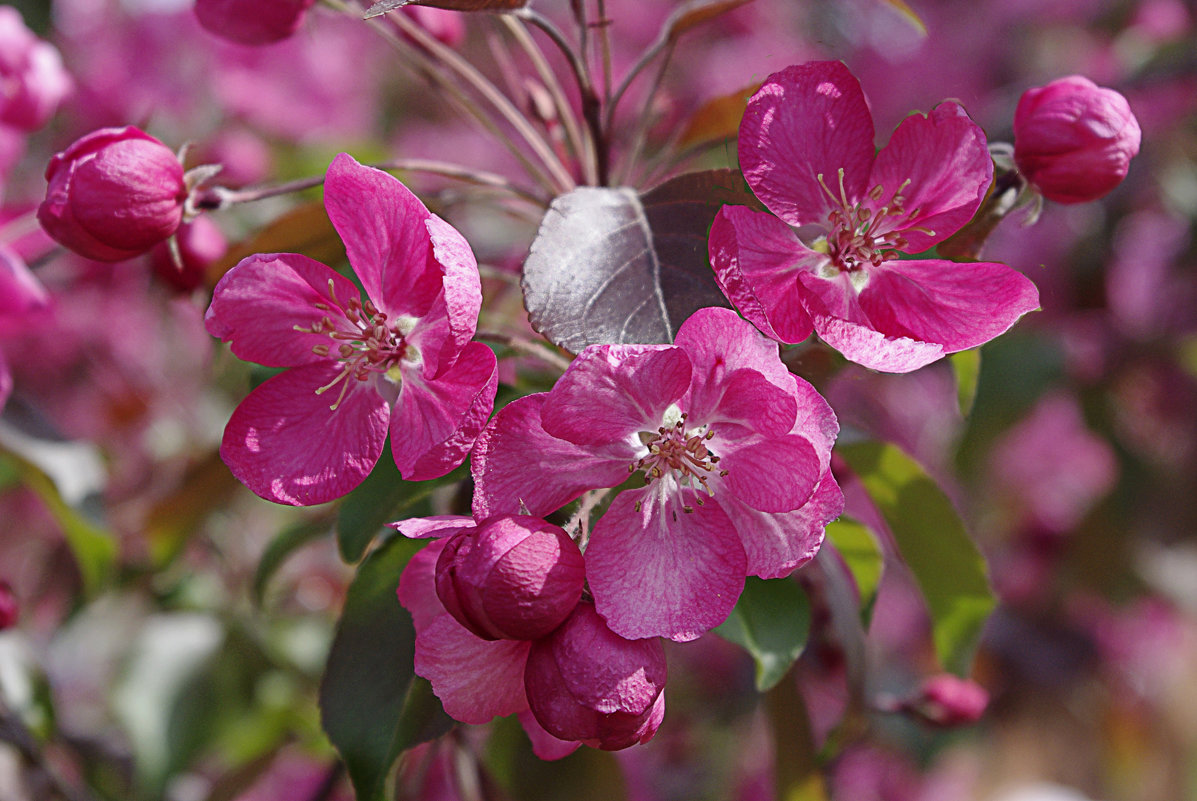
[734, 451]
[1074, 139]
[806, 149]
[585, 683]
[399, 359]
[32, 79]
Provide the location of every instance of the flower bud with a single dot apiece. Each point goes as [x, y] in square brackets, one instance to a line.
[113, 194]
[200, 244]
[32, 78]
[1073, 139]
[585, 682]
[513, 577]
[252, 22]
[9, 610]
[946, 700]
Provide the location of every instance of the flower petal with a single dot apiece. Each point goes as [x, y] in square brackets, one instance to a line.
[5, 381]
[475, 679]
[771, 474]
[383, 226]
[461, 282]
[417, 585]
[958, 306]
[662, 572]
[435, 423]
[285, 444]
[776, 543]
[516, 463]
[421, 528]
[257, 306]
[718, 341]
[545, 745]
[610, 392]
[946, 159]
[805, 121]
[755, 257]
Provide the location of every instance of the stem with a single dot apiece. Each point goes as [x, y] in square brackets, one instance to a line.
[605, 49]
[19, 226]
[644, 120]
[579, 521]
[524, 346]
[476, 80]
[573, 132]
[218, 197]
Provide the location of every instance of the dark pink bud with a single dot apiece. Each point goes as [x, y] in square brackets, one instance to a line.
[252, 22]
[513, 577]
[113, 194]
[1073, 139]
[585, 682]
[9, 610]
[946, 700]
[32, 78]
[200, 244]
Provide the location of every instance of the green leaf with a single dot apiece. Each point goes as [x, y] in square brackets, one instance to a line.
[859, 550]
[283, 545]
[967, 366]
[949, 569]
[771, 621]
[368, 704]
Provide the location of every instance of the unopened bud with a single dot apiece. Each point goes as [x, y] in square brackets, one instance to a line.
[199, 243]
[252, 22]
[585, 682]
[113, 194]
[1074, 140]
[513, 577]
[946, 700]
[32, 78]
[9, 610]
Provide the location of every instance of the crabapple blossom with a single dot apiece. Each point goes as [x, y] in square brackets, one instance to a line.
[252, 22]
[399, 359]
[734, 451]
[513, 577]
[584, 682]
[32, 79]
[113, 194]
[1073, 139]
[806, 149]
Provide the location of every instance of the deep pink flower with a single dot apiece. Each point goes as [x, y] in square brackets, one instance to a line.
[252, 22]
[945, 700]
[113, 194]
[735, 451]
[32, 79]
[1074, 140]
[806, 149]
[400, 359]
[512, 577]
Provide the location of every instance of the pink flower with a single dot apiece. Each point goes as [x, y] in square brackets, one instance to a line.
[512, 577]
[252, 22]
[32, 79]
[10, 609]
[615, 683]
[21, 297]
[945, 700]
[733, 448]
[113, 194]
[806, 149]
[1074, 140]
[401, 359]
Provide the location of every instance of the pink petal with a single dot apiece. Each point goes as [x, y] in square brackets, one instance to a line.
[719, 342]
[662, 572]
[383, 226]
[545, 745]
[421, 528]
[5, 381]
[475, 679]
[875, 350]
[516, 463]
[755, 257]
[20, 291]
[945, 157]
[806, 120]
[815, 421]
[610, 392]
[417, 585]
[744, 405]
[462, 285]
[285, 444]
[772, 475]
[957, 306]
[776, 543]
[435, 423]
[258, 304]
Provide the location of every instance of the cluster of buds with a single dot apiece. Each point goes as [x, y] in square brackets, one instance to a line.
[519, 578]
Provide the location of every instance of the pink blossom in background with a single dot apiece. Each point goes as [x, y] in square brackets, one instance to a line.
[1074, 140]
[735, 451]
[33, 80]
[200, 243]
[252, 22]
[806, 148]
[946, 700]
[113, 194]
[401, 359]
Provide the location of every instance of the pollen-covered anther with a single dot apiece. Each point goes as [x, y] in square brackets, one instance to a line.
[674, 451]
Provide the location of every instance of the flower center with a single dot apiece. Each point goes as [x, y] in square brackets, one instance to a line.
[683, 454]
[860, 233]
[370, 345]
